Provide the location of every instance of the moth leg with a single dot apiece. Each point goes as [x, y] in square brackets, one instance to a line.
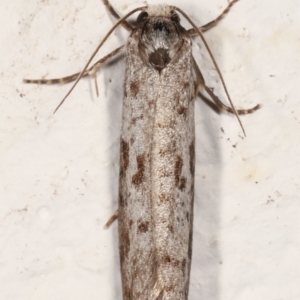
[222, 106]
[112, 219]
[112, 11]
[201, 83]
[209, 25]
[93, 69]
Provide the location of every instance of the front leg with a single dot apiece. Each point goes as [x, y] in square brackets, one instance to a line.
[93, 69]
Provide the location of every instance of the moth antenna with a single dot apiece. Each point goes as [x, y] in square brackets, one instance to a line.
[95, 52]
[214, 62]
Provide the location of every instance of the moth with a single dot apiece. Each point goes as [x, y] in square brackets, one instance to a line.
[157, 149]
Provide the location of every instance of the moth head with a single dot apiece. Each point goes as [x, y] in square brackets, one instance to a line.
[161, 11]
[160, 34]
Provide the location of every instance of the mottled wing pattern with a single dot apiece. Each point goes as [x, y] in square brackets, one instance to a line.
[173, 174]
[156, 176]
[135, 214]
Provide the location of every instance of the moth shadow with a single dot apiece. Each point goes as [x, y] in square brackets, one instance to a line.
[113, 80]
[206, 257]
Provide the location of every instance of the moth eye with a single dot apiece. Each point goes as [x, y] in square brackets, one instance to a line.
[175, 17]
[142, 17]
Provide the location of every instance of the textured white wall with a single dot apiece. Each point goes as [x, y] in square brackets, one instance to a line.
[58, 173]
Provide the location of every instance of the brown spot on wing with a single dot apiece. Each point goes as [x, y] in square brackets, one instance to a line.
[182, 110]
[163, 198]
[178, 169]
[167, 259]
[190, 240]
[134, 120]
[138, 177]
[186, 85]
[183, 265]
[134, 88]
[127, 292]
[180, 181]
[124, 242]
[187, 214]
[192, 158]
[143, 227]
[171, 228]
[124, 160]
[122, 201]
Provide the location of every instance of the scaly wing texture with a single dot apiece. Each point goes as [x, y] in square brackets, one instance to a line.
[156, 176]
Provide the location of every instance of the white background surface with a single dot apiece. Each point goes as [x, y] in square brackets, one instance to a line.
[59, 173]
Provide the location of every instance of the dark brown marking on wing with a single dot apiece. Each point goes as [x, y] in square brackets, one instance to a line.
[125, 245]
[138, 177]
[163, 198]
[178, 169]
[171, 228]
[185, 86]
[134, 120]
[143, 227]
[188, 216]
[127, 292]
[171, 260]
[124, 161]
[189, 253]
[134, 88]
[190, 241]
[169, 124]
[182, 111]
[122, 201]
[180, 181]
[183, 265]
[192, 158]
